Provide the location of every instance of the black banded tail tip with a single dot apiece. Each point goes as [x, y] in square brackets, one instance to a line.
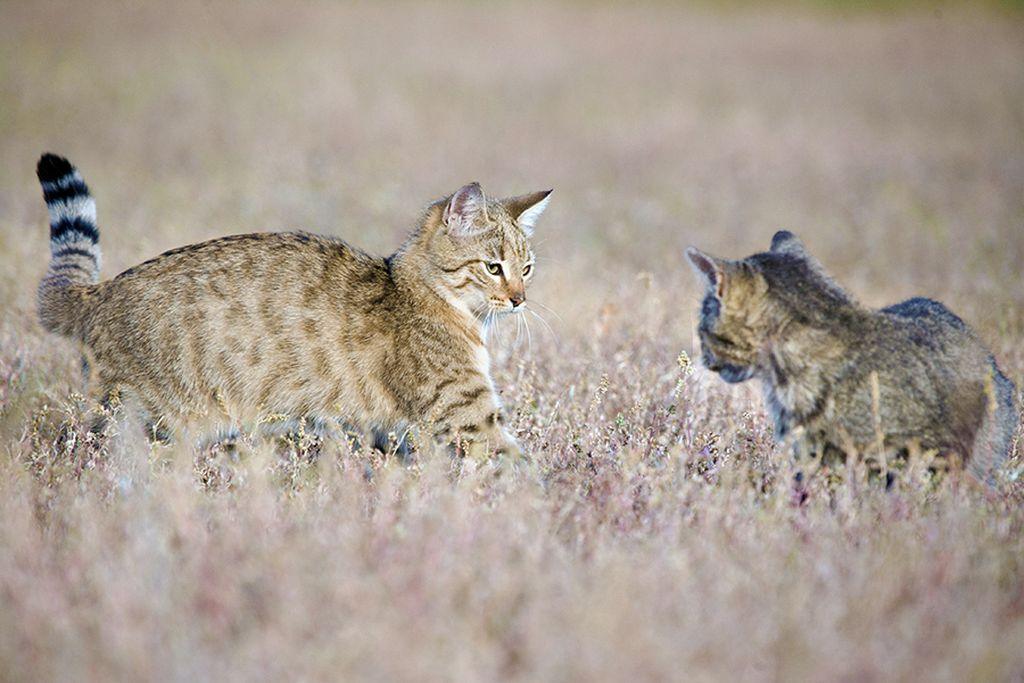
[52, 168]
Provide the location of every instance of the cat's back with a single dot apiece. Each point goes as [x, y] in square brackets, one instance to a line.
[927, 328]
[249, 257]
[925, 311]
[235, 311]
[263, 269]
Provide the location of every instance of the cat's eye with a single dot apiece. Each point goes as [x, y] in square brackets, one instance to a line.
[494, 268]
[527, 269]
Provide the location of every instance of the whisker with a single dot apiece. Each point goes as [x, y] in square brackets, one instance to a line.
[529, 337]
[477, 310]
[544, 322]
[484, 322]
[548, 309]
[493, 324]
[497, 327]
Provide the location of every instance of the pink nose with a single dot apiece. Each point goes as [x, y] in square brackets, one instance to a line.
[517, 299]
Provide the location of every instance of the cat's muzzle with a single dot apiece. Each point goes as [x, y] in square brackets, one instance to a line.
[733, 374]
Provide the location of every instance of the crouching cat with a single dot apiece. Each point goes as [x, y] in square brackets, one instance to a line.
[294, 324]
[843, 378]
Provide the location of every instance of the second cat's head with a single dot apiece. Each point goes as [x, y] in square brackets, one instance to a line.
[750, 304]
[479, 249]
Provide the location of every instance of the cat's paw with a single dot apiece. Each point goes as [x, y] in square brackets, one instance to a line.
[511, 451]
[483, 450]
[478, 451]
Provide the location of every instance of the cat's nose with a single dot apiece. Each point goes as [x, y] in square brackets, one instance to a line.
[517, 299]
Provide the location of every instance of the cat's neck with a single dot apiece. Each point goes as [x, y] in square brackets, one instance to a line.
[410, 270]
[799, 365]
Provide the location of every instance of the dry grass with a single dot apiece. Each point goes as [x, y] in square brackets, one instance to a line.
[657, 534]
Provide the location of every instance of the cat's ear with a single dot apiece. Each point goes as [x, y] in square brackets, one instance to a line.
[462, 216]
[709, 269]
[527, 208]
[785, 242]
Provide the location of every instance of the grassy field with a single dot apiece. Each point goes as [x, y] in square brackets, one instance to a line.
[656, 535]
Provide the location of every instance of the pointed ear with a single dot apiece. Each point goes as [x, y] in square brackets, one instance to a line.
[785, 242]
[527, 208]
[465, 208]
[709, 269]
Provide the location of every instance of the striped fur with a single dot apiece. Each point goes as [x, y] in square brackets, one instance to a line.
[246, 330]
[74, 246]
[841, 378]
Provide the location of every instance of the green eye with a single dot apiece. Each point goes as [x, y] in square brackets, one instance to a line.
[527, 269]
[494, 268]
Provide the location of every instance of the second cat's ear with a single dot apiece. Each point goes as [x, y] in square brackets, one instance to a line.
[466, 212]
[527, 208]
[785, 242]
[709, 269]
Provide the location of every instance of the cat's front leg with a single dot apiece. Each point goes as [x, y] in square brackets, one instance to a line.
[485, 436]
[473, 422]
[806, 452]
[482, 450]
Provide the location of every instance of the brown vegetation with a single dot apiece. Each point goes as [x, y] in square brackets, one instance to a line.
[657, 534]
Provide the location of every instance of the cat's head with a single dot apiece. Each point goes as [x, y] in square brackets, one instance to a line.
[749, 302]
[480, 249]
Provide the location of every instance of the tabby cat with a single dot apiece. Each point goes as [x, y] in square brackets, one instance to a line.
[240, 328]
[840, 377]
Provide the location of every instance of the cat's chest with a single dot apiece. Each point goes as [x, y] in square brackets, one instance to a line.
[794, 404]
[481, 360]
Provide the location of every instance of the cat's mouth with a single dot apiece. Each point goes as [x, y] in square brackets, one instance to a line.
[729, 372]
[734, 374]
[505, 308]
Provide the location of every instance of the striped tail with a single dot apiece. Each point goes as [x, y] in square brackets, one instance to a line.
[74, 247]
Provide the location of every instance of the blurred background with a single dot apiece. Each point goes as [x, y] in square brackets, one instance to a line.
[889, 136]
[657, 525]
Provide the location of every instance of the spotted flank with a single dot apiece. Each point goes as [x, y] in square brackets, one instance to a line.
[74, 237]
